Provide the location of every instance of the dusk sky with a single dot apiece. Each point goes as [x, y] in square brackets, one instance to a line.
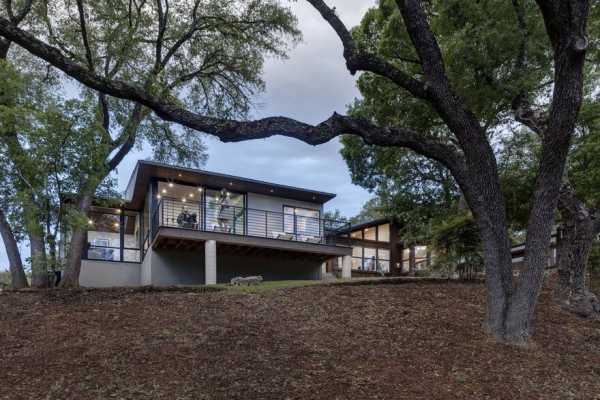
[309, 86]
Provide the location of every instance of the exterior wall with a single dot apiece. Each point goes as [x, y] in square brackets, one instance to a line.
[109, 274]
[275, 204]
[146, 268]
[272, 268]
[177, 267]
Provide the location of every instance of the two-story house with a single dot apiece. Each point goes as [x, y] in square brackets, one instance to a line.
[180, 226]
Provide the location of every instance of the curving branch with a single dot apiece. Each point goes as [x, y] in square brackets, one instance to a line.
[234, 131]
[357, 60]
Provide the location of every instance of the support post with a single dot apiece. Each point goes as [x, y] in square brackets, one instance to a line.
[323, 270]
[210, 262]
[347, 267]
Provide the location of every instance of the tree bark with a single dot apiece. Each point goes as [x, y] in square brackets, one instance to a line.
[578, 230]
[15, 264]
[39, 267]
[76, 247]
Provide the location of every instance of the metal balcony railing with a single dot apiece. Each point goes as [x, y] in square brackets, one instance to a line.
[235, 220]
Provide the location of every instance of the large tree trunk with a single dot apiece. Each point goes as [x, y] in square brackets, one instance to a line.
[76, 247]
[578, 230]
[39, 265]
[15, 264]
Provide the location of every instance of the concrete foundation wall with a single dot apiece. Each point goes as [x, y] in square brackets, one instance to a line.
[109, 274]
[270, 267]
[177, 267]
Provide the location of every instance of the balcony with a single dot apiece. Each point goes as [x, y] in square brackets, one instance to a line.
[206, 216]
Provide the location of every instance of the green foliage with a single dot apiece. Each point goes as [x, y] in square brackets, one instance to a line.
[5, 278]
[490, 58]
[456, 241]
[594, 267]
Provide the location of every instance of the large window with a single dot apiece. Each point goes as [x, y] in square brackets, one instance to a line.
[356, 234]
[302, 222]
[225, 211]
[371, 233]
[113, 235]
[370, 259]
[383, 233]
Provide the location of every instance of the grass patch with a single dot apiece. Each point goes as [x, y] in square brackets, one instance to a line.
[268, 286]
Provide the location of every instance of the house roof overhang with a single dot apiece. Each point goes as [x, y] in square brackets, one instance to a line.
[147, 170]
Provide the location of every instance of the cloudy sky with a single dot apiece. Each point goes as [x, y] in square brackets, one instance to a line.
[309, 86]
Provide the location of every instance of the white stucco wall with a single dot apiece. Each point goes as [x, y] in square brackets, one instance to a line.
[275, 204]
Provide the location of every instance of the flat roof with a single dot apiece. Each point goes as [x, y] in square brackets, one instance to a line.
[369, 224]
[146, 170]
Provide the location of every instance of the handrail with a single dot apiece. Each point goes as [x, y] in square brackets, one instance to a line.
[238, 220]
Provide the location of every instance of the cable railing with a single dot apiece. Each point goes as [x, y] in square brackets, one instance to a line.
[236, 220]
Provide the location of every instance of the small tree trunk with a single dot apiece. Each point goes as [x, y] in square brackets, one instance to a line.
[15, 264]
[39, 265]
[76, 247]
[573, 251]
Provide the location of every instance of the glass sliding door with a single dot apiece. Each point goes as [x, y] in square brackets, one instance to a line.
[304, 223]
[225, 212]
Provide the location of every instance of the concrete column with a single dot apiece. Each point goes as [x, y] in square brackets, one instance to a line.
[323, 270]
[210, 262]
[347, 267]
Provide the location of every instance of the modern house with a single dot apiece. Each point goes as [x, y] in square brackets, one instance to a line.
[180, 226]
[378, 249]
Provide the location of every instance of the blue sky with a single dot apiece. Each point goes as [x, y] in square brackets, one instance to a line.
[309, 86]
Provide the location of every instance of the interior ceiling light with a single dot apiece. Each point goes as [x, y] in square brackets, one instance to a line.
[191, 194]
[164, 190]
[199, 189]
[183, 200]
[158, 196]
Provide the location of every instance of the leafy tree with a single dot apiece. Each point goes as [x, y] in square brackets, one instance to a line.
[470, 88]
[207, 54]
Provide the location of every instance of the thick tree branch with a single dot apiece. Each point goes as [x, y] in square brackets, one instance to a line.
[226, 130]
[360, 61]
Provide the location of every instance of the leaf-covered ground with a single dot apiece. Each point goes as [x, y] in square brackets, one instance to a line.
[392, 341]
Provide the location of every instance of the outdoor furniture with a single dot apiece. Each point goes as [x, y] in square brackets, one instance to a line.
[282, 235]
[222, 228]
[187, 220]
[311, 239]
